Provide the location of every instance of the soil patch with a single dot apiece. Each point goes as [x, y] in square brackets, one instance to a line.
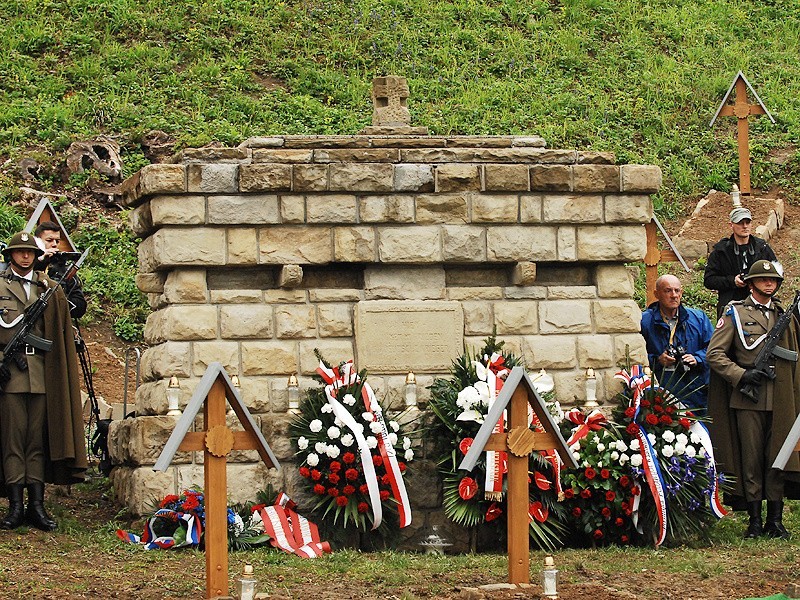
[712, 224]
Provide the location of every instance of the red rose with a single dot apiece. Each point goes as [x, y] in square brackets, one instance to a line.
[569, 493]
[493, 512]
[619, 522]
[363, 507]
[402, 466]
[651, 419]
[658, 399]
[624, 505]
[377, 460]
[351, 474]
[576, 512]
[316, 475]
[635, 491]
[632, 429]
[336, 466]
[464, 445]
[333, 492]
[364, 489]
[669, 409]
[597, 534]
[605, 473]
[684, 423]
[467, 488]
[610, 495]
[333, 478]
[624, 539]
[386, 480]
[590, 473]
[606, 512]
[305, 472]
[384, 495]
[319, 489]
[587, 493]
[348, 490]
[341, 500]
[666, 419]
[658, 409]
[645, 402]
[348, 458]
[624, 481]
[629, 412]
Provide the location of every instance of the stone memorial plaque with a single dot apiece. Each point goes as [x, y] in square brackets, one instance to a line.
[397, 337]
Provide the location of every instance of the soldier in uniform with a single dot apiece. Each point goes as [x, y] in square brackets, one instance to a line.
[748, 433]
[41, 421]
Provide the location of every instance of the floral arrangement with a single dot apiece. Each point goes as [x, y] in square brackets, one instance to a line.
[460, 405]
[646, 477]
[179, 520]
[353, 459]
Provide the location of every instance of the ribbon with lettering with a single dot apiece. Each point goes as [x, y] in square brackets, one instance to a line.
[714, 500]
[496, 462]
[291, 532]
[188, 524]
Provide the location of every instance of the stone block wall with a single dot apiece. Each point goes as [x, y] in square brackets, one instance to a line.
[256, 255]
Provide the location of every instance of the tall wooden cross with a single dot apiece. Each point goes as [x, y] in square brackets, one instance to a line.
[519, 441]
[654, 255]
[742, 109]
[216, 442]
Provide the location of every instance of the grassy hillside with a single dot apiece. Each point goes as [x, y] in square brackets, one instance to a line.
[639, 78]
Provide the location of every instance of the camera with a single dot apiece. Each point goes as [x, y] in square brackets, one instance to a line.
[677, 352]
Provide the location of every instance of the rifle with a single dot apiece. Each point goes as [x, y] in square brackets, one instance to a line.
[770, 348]
[24, 335]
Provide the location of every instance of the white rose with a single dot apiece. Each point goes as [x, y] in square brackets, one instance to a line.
[334, 432]
[321, 447]
[691, 451]
[326, 408]
[406, 443]
[667, 451]
[575, 447]
[315, 426]
[375, 427]
[394, 425]
[347, 440]
[615, 455]
[576, 455]
[601, 447]
[623, 458]
[409, 455]
[621, 445]
[392, 438]
[595, 438]
[372, 442]
[668, 436]
[333, 451]
[635, 444]
[636, 460]
[682, 439]
[302, 443]
[312, 460]
[586, 464]
[367, 416]
[349, 399]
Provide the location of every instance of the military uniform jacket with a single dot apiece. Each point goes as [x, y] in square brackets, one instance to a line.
[13, 302]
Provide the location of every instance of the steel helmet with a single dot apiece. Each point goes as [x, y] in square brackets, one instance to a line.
[765, 268]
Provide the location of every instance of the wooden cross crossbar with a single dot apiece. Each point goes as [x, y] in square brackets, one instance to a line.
[742, 110]
[519, 441]
[216, 442]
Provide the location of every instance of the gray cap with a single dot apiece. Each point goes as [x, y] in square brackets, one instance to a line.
[737, 214]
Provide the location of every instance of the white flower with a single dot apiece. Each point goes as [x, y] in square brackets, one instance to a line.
[338, 422]
[406, 443]
[372, 442]
[576, 455]
[615, 455]
[326, 408]
[636, 460]
[238, 524]
[333, 451]
[394, 425]
[483, 391]
[595, 438]
[347, 440]
[667, 451]
[695, 437]
[601, 447]
[409, 454]
[467, 397]
[360, 427]
[315, 426]
[375, 427]
[321, 447]
[256, 522]
[680, 448]
[312, 460]
[621, 445]
[668, 436]
[702, 452]
[334, 432]
[367, 416]
[652, 438]
[471, 415]
[623, 458]
[599, 464]
[691, 451]
[576, 446]
[480, 369]
[635, 444]
[302, 443]
[682, 439]
[586, 464]
[349, 399]
[392, 438]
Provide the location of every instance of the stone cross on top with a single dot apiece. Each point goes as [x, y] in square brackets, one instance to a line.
[390, 114]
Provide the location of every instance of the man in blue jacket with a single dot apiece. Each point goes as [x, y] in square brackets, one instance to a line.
[677, 338]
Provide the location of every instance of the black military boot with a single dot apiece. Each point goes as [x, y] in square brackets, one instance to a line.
[774, 527]
[754, 527]
[36, 514]
[16, 507]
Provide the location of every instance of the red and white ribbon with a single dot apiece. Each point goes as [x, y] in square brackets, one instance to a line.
[495, 461]
[290, 532]
[594, 421]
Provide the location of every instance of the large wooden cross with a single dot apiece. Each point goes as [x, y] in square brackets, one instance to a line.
[519, 441]
[742, 109]
[216, 441]
[655, 255]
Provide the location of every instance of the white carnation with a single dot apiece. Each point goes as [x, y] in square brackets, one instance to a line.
[635, 444]
[406, 443]
[392, 438]
[375, 427]
[367, 416]
[349, 399]
[394, 425]
[312, 460]
[409, 454]
[334, 432]
[321, 447]
[315, 426]
[695, 437]
[360, 427]
[668, 436]
[333, 451]
[691, 451]
[372, 442]
[302, 443]
[680, 448]
[326, 408]
[347, 440]
[338, 422]
[667, 451]
[636, 460]
[682, 439]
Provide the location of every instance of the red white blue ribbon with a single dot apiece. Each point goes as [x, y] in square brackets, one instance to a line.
[194, 531]
[705, 440]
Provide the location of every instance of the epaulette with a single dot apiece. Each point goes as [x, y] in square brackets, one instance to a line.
[728, 311]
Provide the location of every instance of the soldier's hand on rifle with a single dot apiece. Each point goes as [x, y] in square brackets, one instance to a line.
[752, 377]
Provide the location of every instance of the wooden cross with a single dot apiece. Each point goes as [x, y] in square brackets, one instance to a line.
[654, 256]
[216, 442]
[519, 442]
[742, 110]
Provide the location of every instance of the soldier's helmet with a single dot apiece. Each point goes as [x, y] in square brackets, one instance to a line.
[765, 268]
[22, 241]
